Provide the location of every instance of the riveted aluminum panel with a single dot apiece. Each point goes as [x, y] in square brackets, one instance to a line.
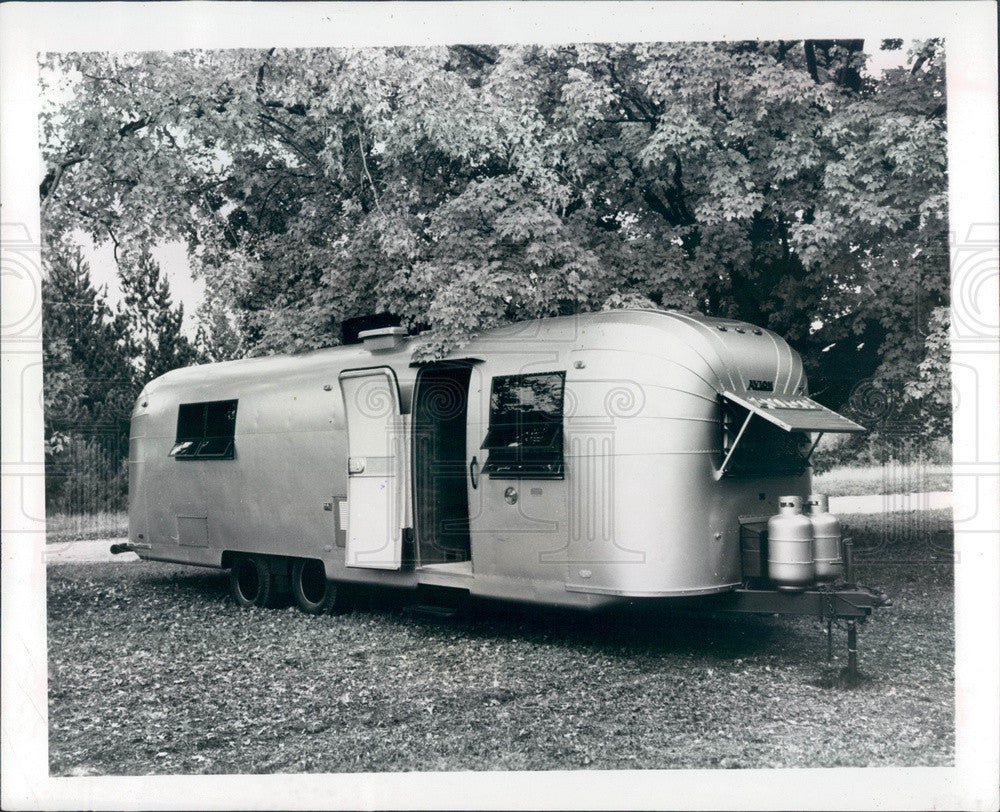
[192, 531]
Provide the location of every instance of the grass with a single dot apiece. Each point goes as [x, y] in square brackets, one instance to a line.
[906, 536]
[153, 670]
[81, 526]
[883, 479]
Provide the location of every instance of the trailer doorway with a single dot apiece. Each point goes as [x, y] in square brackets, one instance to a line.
[440, 468]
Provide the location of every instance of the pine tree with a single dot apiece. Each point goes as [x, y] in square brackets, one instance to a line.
[218, 337]
[149, 321]
[87, 389]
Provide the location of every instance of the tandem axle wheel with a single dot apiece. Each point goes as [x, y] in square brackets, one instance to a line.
[313, 593]
[257, 580]
[251, 582]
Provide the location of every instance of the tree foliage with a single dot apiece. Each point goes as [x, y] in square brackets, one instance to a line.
[95, 361]
[150, 324]
[464, 186]
[87, 388]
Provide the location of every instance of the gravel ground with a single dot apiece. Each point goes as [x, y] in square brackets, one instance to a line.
[153, 670]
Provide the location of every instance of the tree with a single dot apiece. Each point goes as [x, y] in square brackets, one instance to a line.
[95, 364]
[464, 186]
[148, 321]
[218, 337]
[932, 389]
[87, 389]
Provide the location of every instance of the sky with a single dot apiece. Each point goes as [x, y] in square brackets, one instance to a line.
[173, 261]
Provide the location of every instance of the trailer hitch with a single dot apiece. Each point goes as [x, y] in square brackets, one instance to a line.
[849, 602]
[129, 547]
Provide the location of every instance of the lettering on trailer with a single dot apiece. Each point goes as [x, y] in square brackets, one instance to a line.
[784, 403]
[760, 386]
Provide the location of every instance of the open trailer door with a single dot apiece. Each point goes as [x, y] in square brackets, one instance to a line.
[376, 443]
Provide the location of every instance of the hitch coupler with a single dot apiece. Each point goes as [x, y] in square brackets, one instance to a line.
[128, 547]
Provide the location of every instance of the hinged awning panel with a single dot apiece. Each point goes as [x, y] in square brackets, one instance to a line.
[795, 413]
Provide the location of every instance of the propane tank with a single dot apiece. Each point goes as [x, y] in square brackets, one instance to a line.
[790, 546]
[826, 539]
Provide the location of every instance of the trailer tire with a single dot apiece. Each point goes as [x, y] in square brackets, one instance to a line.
[251, 582]
[314, 594]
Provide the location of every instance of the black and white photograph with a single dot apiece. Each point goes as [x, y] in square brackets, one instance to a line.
[476, 405]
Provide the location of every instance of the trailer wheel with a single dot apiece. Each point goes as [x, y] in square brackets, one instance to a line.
[251, 582]
[314, 594]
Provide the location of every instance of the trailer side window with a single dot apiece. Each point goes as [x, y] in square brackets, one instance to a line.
[206, 431]
[525, 438]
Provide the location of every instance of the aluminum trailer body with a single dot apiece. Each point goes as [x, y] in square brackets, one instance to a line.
[576, 461]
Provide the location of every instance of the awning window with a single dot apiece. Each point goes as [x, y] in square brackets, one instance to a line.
[795, 413]
[768, 435]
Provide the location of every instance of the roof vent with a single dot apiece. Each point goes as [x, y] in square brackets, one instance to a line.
[382, 338]
[351, 327]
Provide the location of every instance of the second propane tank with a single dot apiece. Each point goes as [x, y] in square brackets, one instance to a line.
[790, 561]
[826, 539]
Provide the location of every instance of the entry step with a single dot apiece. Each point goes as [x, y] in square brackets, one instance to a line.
[454, 575]
[460, 568]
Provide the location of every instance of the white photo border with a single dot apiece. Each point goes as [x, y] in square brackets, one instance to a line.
[969, 29]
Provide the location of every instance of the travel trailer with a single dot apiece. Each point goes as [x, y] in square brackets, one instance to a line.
[576, 461]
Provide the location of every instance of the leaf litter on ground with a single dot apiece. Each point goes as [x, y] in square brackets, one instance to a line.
[153, 670]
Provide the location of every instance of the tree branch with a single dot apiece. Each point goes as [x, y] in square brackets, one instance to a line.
[135, 126]
[267, 196]
[297, 109]
[260, 73]
[810, 49]
[287, 139]
[717, 101]
[477, 54]
[364, 165]
[170, 138]
[112, 79]
[784, 46]
[114, 240]
[644, 113]
[47, 188]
